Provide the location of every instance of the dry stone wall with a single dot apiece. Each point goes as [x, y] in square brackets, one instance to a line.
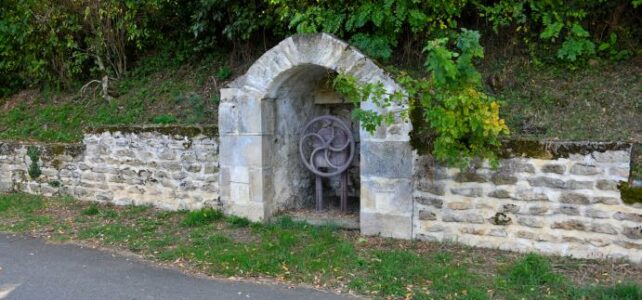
[167, 167]
[565, 202]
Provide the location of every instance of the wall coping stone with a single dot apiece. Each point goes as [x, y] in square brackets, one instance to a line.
[547, 149]
[184, 130]
[47, 149]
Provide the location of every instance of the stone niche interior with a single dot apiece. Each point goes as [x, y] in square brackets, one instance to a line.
[302, 94]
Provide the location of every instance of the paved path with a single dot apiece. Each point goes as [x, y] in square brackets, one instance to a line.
[34, 270]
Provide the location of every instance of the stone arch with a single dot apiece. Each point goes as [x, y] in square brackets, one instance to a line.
[247, 128]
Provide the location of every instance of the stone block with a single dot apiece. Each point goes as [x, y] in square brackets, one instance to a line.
[473, 230]
[509, 208]
[246, 150]
[463, 218]
[579, 185]
[166, 154]
[603, 228]
[459, 205]
[574, 198]
[433, 187]
[535, 236]
[386, 159]
[498, 233]
[530, 195]
[629, 245]
[596, 213]
[435, 228]
[471, 176]
[585, 169]
[619, 156]
[607, 185]
[549, 182]
[607, 200]
[426, 215]
[430, 201]
[597, 242]
[500, 194]
[634, 233]
[569, 210]
[468, 191]
[516, 165]
[554, 168]
[624, 216]
[538, 210]
[622, 172]
[570, 225]
[503, 178]
[530, 222]
[387, 225]
[193, 168]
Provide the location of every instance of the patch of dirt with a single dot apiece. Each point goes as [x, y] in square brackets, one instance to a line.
[26, 97]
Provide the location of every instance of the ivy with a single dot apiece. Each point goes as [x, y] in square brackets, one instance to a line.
[461, 119]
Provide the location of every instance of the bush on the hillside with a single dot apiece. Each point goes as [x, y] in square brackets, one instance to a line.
[63, 41]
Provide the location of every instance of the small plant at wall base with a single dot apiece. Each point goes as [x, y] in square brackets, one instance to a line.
[462, 121]
[34, 155]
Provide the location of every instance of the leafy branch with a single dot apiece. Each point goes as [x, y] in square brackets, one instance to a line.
[462, 120]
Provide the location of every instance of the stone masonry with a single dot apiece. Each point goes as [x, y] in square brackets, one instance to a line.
[557, 204]
[167, 167]
[260, 116]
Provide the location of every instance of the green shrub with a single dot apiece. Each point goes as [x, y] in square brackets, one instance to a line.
[238, 222]
[456, 118]
[92, 210]
[34, 155]
[202, 217]
[223, 73]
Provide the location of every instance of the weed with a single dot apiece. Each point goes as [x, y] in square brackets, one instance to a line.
[223, 73]
[34, 155]
[92, 210]
[202, 217]
[238, 222]
[109, 214]
[164, 119]
[533, 272]
[54, 183]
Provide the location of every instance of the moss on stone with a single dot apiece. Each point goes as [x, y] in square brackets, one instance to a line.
[51, 151]
[501, 219]
[173, 130]
[56, 163]
[630, 195]
[556, 149]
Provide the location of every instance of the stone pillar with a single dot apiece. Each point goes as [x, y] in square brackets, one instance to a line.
[386, 178]
[245, 126]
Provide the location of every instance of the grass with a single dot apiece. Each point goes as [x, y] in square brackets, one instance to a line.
[207, 241]
[601, 101]
[158, 91]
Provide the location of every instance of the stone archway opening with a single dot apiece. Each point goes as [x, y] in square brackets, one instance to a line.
[261, 112]
[303, 93]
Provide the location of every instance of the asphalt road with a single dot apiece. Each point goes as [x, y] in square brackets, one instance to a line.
[34, 270]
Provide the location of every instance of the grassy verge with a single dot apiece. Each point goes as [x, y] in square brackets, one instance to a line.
[159, 91]
[600, 101]
[207, 241]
